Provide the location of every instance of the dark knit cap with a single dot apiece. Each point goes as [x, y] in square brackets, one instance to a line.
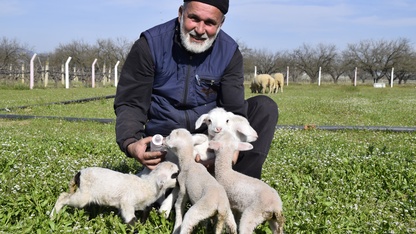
[222, 5]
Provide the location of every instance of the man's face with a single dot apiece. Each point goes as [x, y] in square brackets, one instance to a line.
[200, 24]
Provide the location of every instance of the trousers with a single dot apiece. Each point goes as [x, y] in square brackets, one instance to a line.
[263, 115]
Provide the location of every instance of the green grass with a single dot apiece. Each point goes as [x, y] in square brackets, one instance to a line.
[347, 105]
[329, 181]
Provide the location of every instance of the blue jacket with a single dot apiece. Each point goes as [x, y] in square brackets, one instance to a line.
[186, 86]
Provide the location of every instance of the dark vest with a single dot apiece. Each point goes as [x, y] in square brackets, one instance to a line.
[185, 85]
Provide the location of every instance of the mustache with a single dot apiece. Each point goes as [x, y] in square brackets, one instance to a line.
[194, 34]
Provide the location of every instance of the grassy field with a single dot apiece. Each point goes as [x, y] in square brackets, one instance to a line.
[329, 181]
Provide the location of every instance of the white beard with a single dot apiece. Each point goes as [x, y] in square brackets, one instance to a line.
[195, 47]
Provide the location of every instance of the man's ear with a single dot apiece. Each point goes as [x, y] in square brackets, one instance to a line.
[180, 12]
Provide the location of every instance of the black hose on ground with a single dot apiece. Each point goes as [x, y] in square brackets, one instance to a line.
[72, 119]
[59, 103]
[337, 128]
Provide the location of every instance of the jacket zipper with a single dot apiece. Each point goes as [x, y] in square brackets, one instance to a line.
[185, 96]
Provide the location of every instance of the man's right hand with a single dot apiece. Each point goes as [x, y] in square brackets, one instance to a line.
[147, 158]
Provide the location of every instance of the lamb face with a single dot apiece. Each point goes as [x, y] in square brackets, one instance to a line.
[178, 138]
[219, 120]
[167, 174]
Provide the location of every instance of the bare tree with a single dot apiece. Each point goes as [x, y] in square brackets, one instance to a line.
[264, 60]
[110, 51]
[309, 59]
[248, 59]
[378, 57]
[82, 54]
[404, 68]
[12, 54]
[337, 68]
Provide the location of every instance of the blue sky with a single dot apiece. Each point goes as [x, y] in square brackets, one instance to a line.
[273, 25]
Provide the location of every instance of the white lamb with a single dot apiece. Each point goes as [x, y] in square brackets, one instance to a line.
[196, 184]
[218, 120]
[251, 200]
[127, 192]
[200, 142]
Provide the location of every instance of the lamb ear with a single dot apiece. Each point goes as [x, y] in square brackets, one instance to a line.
[245, 128]
[230, 114]
[161, 179]
[244, 146]
[215, 145]
[200, 120]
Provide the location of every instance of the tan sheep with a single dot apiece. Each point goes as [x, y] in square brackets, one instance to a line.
[264, 81]
[279, 82]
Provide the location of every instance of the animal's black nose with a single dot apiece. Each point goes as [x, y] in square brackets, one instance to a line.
[175, 175]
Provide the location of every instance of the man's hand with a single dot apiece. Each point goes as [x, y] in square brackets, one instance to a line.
[148, 159]
[209, 163]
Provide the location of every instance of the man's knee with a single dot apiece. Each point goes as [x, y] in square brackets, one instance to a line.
[262, 106]
[250, 163]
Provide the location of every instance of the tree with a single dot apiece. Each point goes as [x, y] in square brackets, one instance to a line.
[265, 61]
[309, 59]
[12, 54]
[248, 59]
[404, 68]
[110, 51]
[337, 68]
[377, 58]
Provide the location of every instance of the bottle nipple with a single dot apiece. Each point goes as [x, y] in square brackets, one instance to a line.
[157, 143]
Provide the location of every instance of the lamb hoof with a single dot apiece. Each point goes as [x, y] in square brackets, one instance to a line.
[145, 215]
[132, 221]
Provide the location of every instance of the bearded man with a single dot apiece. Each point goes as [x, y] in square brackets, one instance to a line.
[179, 70]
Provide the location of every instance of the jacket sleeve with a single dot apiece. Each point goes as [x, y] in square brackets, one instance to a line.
[133, 95]
[231, 96]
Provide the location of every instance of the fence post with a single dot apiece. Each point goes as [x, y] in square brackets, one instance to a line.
[67, 72]
[392, 77]
[287, 75]
[10, 71]
[63, 74]
[355, 76]
[93, 73]
[23, 73]
[75, 74]
[32, 72]
[46, 73]
[104, 75]
[109, 74]
[115, 74]
[319, 77]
